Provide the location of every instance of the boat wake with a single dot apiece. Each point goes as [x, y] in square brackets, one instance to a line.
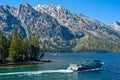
[68, 70]
[37, 72]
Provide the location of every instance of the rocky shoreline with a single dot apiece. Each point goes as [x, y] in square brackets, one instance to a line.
[24, 63]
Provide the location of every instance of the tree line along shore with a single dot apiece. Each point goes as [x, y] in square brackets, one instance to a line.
[17, 50]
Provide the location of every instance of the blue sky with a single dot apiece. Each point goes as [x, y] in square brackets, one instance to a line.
[102, 10]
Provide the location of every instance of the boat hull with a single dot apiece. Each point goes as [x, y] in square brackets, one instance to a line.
[95, 64]
[90, 66]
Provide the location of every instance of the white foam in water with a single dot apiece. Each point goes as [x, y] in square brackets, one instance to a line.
[45, 71]
[38, 72]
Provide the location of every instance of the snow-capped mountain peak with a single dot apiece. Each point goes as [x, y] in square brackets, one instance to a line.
[115, 25]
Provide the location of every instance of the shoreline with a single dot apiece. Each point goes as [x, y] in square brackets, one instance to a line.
[24, 63]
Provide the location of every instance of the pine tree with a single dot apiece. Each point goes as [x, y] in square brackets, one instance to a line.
[3, 48]
[35, 47]
[27, 48]
[32, 49]
[15, 50]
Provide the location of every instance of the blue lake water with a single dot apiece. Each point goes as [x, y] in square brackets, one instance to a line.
[57, 70]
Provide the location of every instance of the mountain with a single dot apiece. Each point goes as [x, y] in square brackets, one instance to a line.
[58, 29]
[77, 23]
[115, 25]
[8, 22]
[50, 32]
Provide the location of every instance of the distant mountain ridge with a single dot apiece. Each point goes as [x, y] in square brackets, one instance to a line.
[115, 25]
[75, 22]
[57, 28]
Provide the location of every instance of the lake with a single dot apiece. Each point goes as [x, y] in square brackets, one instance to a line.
[57, 70]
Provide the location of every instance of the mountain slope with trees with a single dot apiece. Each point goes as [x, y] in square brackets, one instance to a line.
[57, 29]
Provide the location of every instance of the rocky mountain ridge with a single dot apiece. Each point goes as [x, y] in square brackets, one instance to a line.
[115, 25]
[75, 22]
[57, 28]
